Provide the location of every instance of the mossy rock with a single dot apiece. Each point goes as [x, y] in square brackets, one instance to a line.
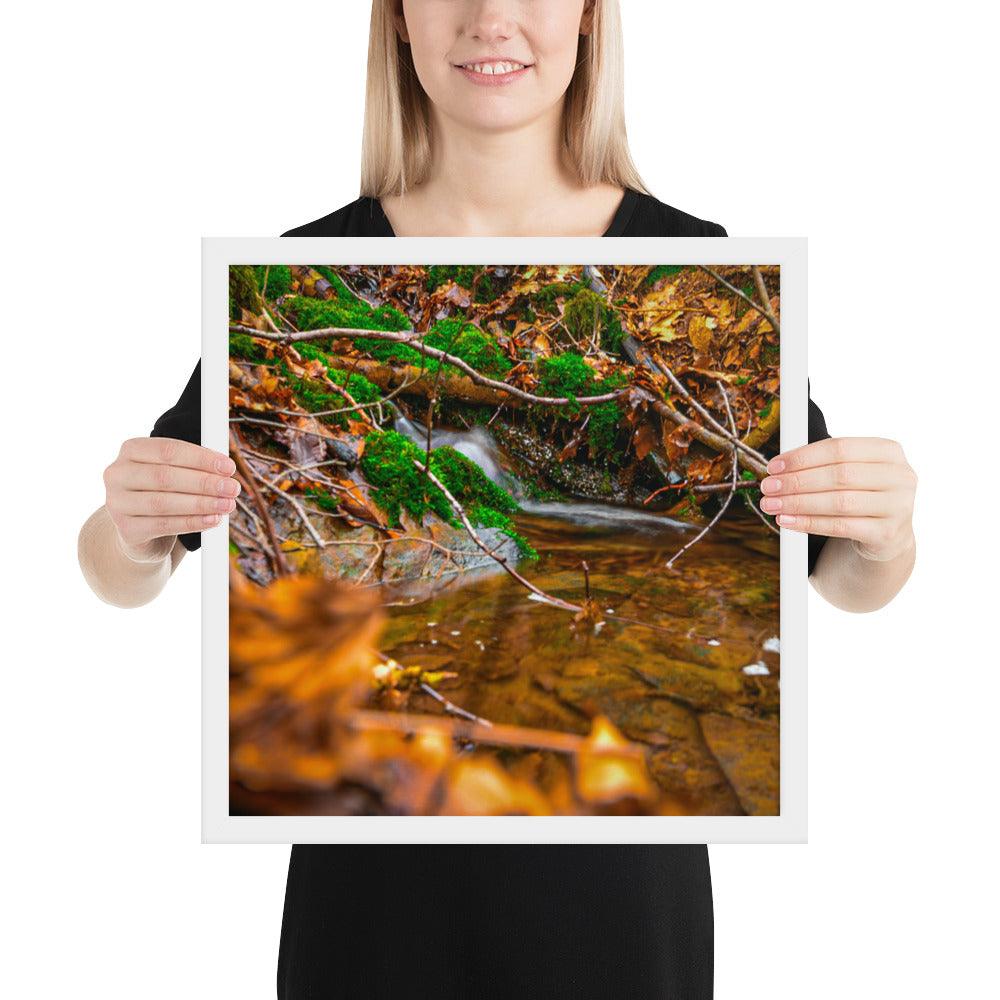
[388, 464]
[273, 280]
[243, 293]
[570, 376]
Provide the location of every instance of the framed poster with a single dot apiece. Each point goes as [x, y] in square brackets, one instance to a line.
[497, 571]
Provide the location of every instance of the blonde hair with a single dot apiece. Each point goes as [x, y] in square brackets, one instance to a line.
[396, 142]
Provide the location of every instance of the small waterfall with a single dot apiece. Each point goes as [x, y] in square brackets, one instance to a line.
[476, 444]
[479, 445]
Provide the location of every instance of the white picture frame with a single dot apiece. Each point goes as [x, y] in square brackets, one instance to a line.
[218, 826]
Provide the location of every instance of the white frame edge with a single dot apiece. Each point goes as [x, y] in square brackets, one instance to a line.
[219, 827]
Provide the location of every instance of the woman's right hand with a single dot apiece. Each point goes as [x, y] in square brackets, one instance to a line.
[160, 487]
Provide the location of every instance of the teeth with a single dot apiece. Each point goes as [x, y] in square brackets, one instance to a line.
[494, 69]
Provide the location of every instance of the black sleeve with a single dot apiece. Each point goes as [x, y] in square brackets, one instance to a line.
[183, 421]
[817, 432]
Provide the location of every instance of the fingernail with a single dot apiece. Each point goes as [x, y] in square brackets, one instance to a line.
[770, 485]
[226, 487]
[770, 504]
[785, 519]
[225, 466]
[776, 465]
[210, 519]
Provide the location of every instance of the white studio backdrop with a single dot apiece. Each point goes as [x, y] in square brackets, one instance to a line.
[133, 130]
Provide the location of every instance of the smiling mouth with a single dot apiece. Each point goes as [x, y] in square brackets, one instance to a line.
[496, 68]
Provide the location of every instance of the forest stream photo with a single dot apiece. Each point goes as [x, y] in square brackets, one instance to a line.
[498, 548]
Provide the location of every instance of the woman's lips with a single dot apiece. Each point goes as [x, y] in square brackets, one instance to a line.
[496, 80]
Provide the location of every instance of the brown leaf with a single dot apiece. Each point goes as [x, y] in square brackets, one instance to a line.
[644, 439]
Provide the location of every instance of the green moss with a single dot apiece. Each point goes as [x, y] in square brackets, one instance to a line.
[388, 464]
[466, 341]
[323, 499]
[570, 376]
[662, 271]
[344, 311]
[278, 278]
[545, 297]
[602, 431]
[316, 396]
[565, 375]
[454, 336]
[587, 310]
[243, 293]
[486, 288]
[241, 345]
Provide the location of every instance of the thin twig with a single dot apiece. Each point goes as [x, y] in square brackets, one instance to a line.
[452, 708]
[729, 496]
[764, 310]
[281, 567]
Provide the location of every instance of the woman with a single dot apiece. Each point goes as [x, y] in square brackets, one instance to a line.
[500, 118]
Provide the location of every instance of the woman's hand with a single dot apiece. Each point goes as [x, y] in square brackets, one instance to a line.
[160, 487]
[860, 488]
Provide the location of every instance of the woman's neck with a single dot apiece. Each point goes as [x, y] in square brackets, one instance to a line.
[501, 184]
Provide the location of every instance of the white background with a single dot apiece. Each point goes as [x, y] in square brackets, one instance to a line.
[133, 129]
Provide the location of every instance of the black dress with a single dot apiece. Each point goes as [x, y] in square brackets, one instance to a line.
[503, 921]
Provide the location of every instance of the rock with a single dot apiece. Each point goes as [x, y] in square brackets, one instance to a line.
[748, 751]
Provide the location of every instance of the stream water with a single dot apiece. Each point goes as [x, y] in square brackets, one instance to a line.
[701, 689]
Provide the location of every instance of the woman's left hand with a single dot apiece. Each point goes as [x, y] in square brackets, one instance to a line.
[860, 488]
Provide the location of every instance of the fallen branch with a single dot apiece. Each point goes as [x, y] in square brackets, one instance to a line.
[281, 567]
[409, 338]
[729, 496]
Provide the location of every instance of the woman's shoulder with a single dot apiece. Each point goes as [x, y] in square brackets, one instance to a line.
[361, 217]
[652, 217]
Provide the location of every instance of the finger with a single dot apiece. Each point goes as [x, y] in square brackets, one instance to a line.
[832, 451]
[173, 479]
[150, 503]
[137, 530]
[845, 503]
[174, 451]
[845, 476]
[867, 530]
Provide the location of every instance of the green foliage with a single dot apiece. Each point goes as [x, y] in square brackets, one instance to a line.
[661, 271]
[585, 311]
[344, 311]
[241, 345]
[388, 464]
[454, 336]
[465, 276]
[386, 350]
[466, 341]
[602, 431]
[278, 277]
[316, 396]
[243, 292]
[545, 297]
[570, 376]
[565, 375]
[323, 499]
